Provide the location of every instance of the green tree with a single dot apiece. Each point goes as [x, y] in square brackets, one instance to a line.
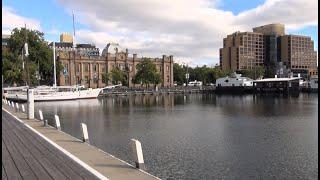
[253, 73]
[39, 55]
[179, 74]
[105, 78]
[117, 76]
[147, 73]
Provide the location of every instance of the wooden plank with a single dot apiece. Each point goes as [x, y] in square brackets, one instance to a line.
[36, 167]
[57, 155]
[4, 175]
[46, 152]
[18, 159]
[46, 163]
[10, 168]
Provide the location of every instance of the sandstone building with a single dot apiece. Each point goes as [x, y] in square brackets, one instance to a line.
[88, 71]
[269, 46]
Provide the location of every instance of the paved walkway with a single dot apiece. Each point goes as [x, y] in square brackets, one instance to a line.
[25, 146]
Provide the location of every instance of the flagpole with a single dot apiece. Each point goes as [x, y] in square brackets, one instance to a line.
[54, 65]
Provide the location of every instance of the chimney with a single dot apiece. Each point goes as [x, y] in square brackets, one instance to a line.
[134, 56]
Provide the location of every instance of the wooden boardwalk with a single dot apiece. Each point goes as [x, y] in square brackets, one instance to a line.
[27, 156]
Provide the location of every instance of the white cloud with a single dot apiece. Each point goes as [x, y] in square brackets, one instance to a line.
[191, 30]
[11, 20]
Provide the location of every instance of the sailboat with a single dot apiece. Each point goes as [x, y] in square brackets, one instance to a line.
[53, 93]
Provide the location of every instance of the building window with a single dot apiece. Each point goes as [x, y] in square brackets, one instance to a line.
[86, 79]
[78, 80]
[168, 79]
[167, 68]
[66, 81]
[86, 69]
[103, 68]
[78, 68]
[95, 67]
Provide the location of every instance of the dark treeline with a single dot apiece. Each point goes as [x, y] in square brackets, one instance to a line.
[209, 74]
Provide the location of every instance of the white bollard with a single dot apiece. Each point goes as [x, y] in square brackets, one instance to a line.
[17, 107]
[85, 136]
[137, 154]
[22, 107]
[9, 103]
[5, 101]
[41, 116]
[30, 104]
[56, 117]
[12, 104]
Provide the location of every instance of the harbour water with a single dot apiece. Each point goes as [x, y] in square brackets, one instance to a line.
[202, 136]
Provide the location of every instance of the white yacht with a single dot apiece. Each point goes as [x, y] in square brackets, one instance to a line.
[49, 93]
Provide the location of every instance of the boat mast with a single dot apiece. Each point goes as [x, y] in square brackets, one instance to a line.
[74, 46]
[54, 65]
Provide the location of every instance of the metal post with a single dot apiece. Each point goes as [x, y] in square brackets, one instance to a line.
[41, 116]
[137, 154]
[56, 117]
[30, 104]
[85, 136]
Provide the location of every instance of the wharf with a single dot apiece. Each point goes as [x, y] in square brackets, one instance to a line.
[129, 92]
[32, 151]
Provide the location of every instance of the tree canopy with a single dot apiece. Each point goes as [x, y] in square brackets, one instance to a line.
[117, 76]
[40, 57]
[147, 73]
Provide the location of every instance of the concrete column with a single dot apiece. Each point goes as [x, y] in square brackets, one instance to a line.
[30, 104]
[137, 154]
[85, 136]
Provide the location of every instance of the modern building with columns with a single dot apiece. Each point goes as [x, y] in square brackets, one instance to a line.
[88, 70]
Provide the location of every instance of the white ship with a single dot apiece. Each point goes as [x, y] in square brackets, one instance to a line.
[49, 93]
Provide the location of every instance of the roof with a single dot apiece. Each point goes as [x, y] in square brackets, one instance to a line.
[277, 79]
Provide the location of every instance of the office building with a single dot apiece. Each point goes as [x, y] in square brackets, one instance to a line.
[270, 47]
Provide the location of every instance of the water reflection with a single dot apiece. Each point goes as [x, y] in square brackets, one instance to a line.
[203, 136]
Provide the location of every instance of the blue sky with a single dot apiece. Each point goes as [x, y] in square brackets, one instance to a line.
[153, 32]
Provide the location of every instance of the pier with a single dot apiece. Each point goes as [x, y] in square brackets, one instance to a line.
[31, 150]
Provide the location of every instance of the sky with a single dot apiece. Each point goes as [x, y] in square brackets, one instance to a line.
[192, 31]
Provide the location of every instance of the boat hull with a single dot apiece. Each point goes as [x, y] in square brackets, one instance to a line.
[58, 96]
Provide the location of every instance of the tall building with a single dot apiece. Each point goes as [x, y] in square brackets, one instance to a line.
[66, 38]
[298, 54]
[88, 71]
[268, 46]
[242, 50]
